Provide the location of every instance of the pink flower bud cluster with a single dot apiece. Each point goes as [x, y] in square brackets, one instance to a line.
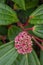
[23, 43]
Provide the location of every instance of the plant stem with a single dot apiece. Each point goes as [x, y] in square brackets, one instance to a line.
[20, 25]
[26, 24]
[37, 43]
[3, 38]
[38, 39]
[29, 29]
[9, 26]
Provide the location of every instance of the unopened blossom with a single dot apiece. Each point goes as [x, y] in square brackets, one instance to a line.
[23, 43]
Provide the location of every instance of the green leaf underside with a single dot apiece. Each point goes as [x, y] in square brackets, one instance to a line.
[13, 32]
[38, 30]
[37, 16]
[9, 55]
[7, 15]
[20, 3]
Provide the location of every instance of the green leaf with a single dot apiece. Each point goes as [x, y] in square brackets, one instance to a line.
[9, 54]
[20, 3]
[13, 32]
[41, 56]
[23, 15]
[7, 15]
[18, 60]
[23, 61]
[12, 58]
[1, 43]
[37, 16]
[25, 4]
[31, 3]
[30, 59]
[2, 1]
[6, 47]
[36, 58]
[3, 30]
[38, 30]
[33, 59]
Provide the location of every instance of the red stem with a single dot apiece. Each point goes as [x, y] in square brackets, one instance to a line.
[38, 39]
[3, 38]
[29, 29]
[37, 43]
[21, 25]
[26, 24]
[9, 26]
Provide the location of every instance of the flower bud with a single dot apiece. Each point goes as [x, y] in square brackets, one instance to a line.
[23, 43]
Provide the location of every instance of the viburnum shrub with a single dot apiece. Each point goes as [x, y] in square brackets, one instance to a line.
[21, 32]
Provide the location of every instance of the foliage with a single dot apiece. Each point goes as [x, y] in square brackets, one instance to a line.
[26, 15]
